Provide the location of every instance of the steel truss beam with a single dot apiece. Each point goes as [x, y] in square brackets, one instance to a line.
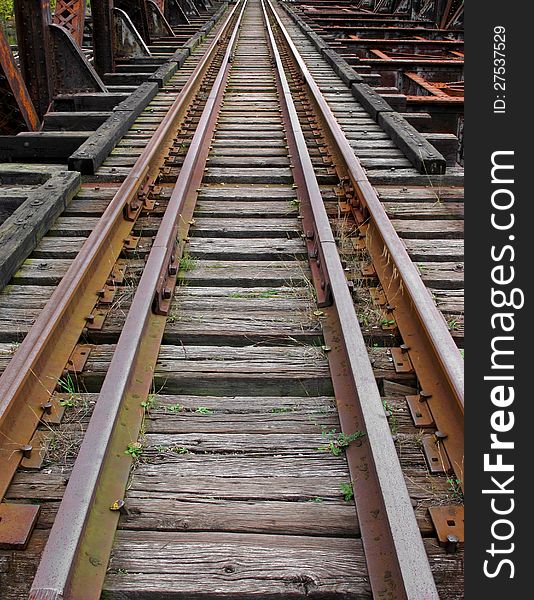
[70, 14]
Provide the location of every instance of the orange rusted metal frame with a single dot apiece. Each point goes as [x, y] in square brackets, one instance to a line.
[32, 374]
[20, 96]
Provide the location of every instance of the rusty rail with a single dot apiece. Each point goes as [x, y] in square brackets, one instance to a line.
[75, 558]
[396, 559]
[31, 376]
[429, 345]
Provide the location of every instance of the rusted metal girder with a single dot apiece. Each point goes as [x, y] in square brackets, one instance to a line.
[17, 112]
[103, 34]
[71, 72]
[70, 14]
[32, 18]
[157, 23]
[396, 559]
[430, 347]
[138, 13]
[74, 561]
[175, 14]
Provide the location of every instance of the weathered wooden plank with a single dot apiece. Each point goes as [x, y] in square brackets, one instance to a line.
[251, 370]
[246, 193]
[449, 301]
[435, 250]
[252, 175]
[429, 229]
[20, 232]
[443, 275]
[248, 161]
[315, 517]
[239, 208]
[425, 193]
[426, 210]
[36, 145]
[197, 565]
[243, 273]
[92, 153]
[244, 227]
[28, 296]
[411, 177]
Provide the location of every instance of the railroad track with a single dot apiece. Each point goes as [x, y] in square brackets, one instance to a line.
[213, 421]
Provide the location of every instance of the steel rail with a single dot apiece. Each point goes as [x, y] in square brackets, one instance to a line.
[396, 559]
[433, 353]
[75, 558]
[32, 374]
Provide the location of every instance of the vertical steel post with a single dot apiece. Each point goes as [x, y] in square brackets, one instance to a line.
[103, 32]
[32, 18]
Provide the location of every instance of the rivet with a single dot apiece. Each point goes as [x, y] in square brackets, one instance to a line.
[26, 450]
[47, 407]
[120, 506]
[452, 544]
[424, 396]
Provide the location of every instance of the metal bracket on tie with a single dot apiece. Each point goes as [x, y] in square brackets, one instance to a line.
[17, 522]
[435, 454]
[78, 358]
[118, 273]
[401, 360]
[421, 415]
[448, 522]
[33, 453]
[167, 280]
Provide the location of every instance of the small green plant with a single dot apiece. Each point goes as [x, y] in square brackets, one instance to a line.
[347, 491]
[455, 488]
[202, 410]
[68, 402]
[134, 449]
[462, 352]
[187, 263]
[282, 409]
[149, 402]
[453, 324]
[175, 408]
[180, 450]
[67, 384]
[338, 443]
[393, 423]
